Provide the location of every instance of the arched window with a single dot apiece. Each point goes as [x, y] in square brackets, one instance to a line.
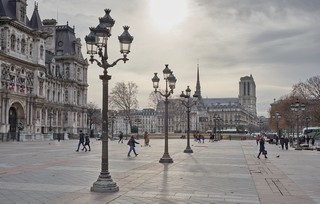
[58, 99]
[67, 73]
[18, 45]
[3, 41]
[66, 96]
[30, 51]
[13, 42]
[79, 74]
[23, 46]
[48, 94]
[41, 52]
[78, 97]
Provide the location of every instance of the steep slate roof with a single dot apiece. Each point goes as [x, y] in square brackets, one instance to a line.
[220, 101]
[35, 21]
[7, 8]
[65, 40]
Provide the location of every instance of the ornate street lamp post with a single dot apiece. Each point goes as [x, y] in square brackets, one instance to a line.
[97, 44]
[297, 107]
[220, 126]
[260, 125]
[113, 117]
[126, 119]
[188, 104]
[171, 82]
[308, 119]
[277, 117]
[50, 121]
[51, 114]
[217, 120]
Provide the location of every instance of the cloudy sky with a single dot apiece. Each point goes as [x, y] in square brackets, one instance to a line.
[277, 41]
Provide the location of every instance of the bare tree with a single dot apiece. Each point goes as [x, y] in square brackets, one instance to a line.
[300, 90]
[154, 99]
[124, 97]
[94, 116]
[309, 89]
[313, 86]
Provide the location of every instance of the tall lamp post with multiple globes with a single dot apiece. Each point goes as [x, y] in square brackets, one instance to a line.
[260, 125]
[97, 44]
[188, 103]
[170, 80]
[297, 107]
[277, 117]
[217, 120]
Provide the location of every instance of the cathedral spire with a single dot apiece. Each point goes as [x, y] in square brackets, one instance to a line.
[198, 87]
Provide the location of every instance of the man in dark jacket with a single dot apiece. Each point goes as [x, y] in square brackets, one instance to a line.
[132, 143]
[81, 141]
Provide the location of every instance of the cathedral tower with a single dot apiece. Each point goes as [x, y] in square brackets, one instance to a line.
[247, 94]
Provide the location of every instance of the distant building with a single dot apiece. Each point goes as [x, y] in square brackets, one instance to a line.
[234, 113]
[43, 89]
[214, 113]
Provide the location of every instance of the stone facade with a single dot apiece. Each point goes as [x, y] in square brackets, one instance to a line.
[43, 89]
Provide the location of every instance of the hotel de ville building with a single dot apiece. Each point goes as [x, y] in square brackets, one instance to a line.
[43, 87]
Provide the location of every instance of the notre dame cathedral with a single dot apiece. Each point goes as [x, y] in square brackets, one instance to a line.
[43, 89]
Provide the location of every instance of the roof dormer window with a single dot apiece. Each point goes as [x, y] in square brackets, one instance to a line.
[22, 13]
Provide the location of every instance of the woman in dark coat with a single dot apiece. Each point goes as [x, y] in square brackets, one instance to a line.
[262, 148]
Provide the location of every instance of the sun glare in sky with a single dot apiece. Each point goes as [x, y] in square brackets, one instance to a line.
[168, 13]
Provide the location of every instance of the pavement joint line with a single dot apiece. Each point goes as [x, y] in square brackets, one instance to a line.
[272, 176]
[206, 175]
[31, 167]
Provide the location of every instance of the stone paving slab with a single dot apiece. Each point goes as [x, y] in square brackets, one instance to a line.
[217, 172]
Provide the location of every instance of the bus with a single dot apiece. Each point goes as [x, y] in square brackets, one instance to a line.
[312, 132]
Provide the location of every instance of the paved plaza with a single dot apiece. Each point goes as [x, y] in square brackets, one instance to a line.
[217, 172]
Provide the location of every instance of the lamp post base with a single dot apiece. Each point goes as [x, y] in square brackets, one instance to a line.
[188, 150]
[166, 159]
[103, 185]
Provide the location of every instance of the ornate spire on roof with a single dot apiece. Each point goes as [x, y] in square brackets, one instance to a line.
[35, 21]
[198, 87]
[35, 6]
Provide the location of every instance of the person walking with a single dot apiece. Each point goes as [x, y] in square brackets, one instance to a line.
[262, 148]
[201, 137]
[87, 143]
[146, 138]
[282, 142]
[211, 139]
[277, 139]
[132, 144]
[258, 139]
[286, 142]
[120, 137]
[308, 139]
[81, 141]
[312, 141]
